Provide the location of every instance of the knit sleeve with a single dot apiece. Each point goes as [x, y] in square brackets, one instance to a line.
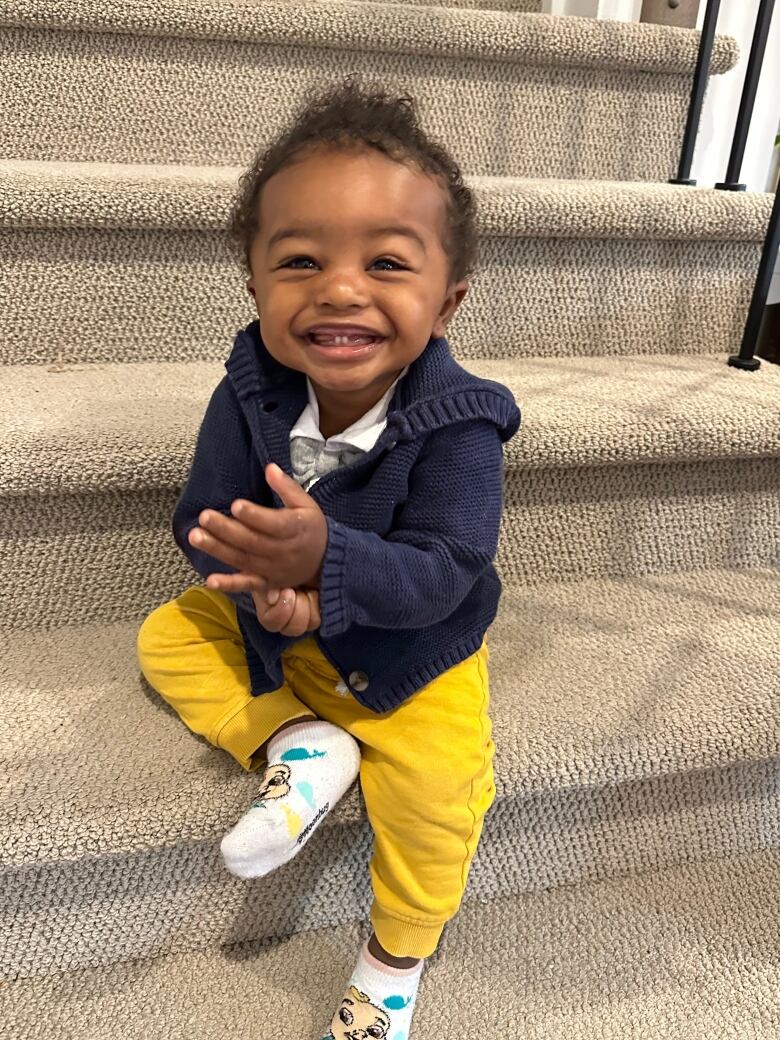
[221, 472]
[445, 536]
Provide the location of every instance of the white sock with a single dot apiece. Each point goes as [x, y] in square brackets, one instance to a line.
[378, 996]
[310, 767]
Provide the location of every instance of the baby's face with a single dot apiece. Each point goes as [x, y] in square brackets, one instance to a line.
[343, 266]
[358, 1019]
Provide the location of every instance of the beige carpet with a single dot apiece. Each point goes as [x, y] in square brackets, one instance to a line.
[520, 6]
[206, 82]
[688, 952]
[562, 265]
[635, 722]
[626, 881]
[622, 468]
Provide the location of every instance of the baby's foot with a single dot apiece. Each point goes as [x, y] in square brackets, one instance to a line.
[310, 767]
[379, 1001]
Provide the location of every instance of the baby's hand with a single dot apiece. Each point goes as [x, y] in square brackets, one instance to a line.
[292, 612]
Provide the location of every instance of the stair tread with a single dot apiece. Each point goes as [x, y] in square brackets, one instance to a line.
[526, 6]
[170, 196]
[98, 427]
[431, 30]
[594, 682]
[685, 952]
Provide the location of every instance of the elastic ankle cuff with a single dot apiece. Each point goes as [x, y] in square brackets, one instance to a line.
[402, 938]
[258, 719]
[316, 729]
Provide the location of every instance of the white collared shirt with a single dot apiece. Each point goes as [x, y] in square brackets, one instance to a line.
[362, 434]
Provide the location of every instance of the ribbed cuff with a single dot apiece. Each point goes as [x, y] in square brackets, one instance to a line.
[316, 730]
[402, 938]
[249, 727]
[333, 612]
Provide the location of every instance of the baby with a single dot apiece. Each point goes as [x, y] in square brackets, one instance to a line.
[344, 504]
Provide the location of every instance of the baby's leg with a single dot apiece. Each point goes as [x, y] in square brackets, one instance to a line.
[311, 765]
[192, 652]
[427, 779]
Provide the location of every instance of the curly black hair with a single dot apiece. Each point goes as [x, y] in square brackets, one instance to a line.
[349, 115]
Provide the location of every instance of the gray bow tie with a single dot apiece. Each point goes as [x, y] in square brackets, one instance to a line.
[311, 461]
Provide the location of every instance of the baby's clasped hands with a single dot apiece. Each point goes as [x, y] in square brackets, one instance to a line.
[273, 549]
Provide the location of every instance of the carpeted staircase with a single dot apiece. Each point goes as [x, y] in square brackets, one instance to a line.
[628, 879]
[516, 6]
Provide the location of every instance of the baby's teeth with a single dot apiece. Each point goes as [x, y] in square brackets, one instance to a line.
[340, 341]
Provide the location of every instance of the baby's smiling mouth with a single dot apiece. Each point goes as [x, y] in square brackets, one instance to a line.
[343, 334]
[326, 339]
[343, 347]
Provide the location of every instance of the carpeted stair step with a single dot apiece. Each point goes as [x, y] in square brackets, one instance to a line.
[689, 952]
[205, 82]
[516, 6]
[622, 467]
[637, 725]
[108, 262]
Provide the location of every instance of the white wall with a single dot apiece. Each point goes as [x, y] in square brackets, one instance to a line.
[620, 10]
[581, 8]
[609, 10]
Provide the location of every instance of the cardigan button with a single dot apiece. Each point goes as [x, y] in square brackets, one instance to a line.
[358, 681]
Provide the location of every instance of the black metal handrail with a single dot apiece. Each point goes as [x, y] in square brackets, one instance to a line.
[746, 358]
[700, 77]
[745, 114]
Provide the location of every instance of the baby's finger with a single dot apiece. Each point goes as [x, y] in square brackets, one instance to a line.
[299, 622]
[274, 617]
[239, 582]
[314, 610]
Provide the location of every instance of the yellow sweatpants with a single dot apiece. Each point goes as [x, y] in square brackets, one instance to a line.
[426, 770]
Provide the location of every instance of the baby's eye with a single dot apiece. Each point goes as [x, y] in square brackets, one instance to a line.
[376, 1031]
[385, 260]
[308, 259]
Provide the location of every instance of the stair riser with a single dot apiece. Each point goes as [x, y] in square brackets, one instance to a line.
[167, 99]
[82, 557]
[174, 295]
[64, 916]
[623, 521]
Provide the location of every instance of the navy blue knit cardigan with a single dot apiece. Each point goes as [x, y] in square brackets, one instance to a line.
[408, 588]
